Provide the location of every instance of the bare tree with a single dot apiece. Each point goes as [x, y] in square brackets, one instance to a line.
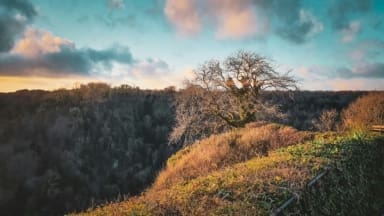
[193, 120]
[229, 91]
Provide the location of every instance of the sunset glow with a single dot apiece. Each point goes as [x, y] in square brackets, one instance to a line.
[150, 44]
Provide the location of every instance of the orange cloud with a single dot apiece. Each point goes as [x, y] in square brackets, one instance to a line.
[38, 42]
[238, 25]
[233, 19]
[236, 19]
[184, 15]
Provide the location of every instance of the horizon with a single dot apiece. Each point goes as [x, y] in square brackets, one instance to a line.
[154, 44]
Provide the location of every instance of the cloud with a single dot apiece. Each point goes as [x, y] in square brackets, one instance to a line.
[150, 68]
[68, 61]
[38, 42]
[116, 4]
[22, 6]
[299, 26]
[235, 19]
[338, 84]
[29, 55]
[40, 53]
[355, 84]
[360, 69]
[366, 60]
[14, 16]
[350, 31]
[243, 18]
[149, 73]
[342, 11]
[367, 50]
[184, 14]
[317, 77]
[363, 69]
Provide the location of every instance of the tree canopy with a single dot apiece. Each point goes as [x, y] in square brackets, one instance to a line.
[229, 91]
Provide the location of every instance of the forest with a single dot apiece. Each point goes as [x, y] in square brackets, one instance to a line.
[68, 150]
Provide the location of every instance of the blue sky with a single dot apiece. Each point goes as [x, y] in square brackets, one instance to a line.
[328, 45]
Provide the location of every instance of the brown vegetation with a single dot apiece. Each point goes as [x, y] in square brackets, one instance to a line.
[366, 111]
[220, 151]
[328, 120]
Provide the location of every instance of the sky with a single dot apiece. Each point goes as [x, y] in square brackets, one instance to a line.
[153, 44]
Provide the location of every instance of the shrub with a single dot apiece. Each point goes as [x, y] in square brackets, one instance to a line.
[328, 120]
[364, 112]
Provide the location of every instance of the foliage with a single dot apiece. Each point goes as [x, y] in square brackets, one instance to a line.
[65, 150]
[354, 186]
[261, 184]
[366, 111]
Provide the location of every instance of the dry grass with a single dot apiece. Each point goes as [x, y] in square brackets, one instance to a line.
[220, 151]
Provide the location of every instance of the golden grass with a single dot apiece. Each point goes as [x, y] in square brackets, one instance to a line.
[220, 151]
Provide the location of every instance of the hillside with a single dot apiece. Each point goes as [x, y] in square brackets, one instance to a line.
[252, 171]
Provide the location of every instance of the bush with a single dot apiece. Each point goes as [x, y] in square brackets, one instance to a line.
[366, 111]
[328, 120]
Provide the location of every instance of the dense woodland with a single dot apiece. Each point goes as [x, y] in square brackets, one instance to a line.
[67, 150]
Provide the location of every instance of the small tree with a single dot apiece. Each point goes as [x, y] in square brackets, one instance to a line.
[229, 92]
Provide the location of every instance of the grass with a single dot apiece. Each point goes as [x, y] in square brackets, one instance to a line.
[252, 171]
